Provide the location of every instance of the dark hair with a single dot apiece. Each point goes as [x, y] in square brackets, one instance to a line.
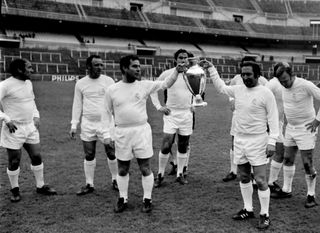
[125, 61]
[275, 68]
[17, 64]
[248, 58]
[255, 67]
[283, 67]
[176, 54]
[89, 60]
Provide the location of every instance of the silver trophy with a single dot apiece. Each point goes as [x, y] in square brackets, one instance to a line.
[195, 78]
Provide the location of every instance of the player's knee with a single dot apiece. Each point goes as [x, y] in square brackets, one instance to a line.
[183, 147]
[261, 183]
[287, 161]
[166, 148]
[122, 171]
[36, 159]
[245, 178]
[111, 155]
[145, 171]
[14, 164]
[89, 156]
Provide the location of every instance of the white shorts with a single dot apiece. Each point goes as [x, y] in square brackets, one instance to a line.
[92, 131]
[178, 121]
[135, 141]
[25, 133]
[250, 148]
[301, 137]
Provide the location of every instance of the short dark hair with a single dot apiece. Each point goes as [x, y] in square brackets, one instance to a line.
[125, 61]
[248, 58]
[283, 67]
[90, 58]
[17, 64]
[255, 67]
[176, 54]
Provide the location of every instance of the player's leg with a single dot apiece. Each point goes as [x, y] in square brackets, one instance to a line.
[13, 171]
[232, 175]
[275, 167]
[260, 174]
[89, 165]
[112, 163]
[289, 168]
[123, 184]
[310, 176]
[37, 167]
[183, 142]
[244, 171]
[147, 183]
[173, 161]
[164, 157]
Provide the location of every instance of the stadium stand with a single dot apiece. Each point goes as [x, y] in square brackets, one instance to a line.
[272, 6]
[239, 4]
[305, 7]
[224, 42]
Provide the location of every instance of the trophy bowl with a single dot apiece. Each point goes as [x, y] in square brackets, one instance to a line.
[195, 79]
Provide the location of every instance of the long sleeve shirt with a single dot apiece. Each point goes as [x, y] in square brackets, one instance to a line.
[127, 101]
[255, 107]
[178, 95]
[276, 88]
[88, 98]
[298, 102]
[17, 100]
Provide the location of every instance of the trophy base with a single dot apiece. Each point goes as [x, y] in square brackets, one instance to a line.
[202, 104]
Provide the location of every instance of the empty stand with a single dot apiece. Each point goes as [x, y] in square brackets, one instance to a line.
[238, 4]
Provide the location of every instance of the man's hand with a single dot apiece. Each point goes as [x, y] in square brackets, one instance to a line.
[36, 121]
[73, 133]
[313, 125]
[271, 149]
[164, 110]
[181, 67]
[11, 126]
[107, 141]
[205, 64]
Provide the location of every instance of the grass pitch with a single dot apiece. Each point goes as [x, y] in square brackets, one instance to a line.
[206, 204]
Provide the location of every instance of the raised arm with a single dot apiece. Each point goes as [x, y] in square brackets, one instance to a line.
[218, 83]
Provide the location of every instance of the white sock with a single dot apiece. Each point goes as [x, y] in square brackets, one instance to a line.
[233, 166]
[38, 174]
[163, 160]
[147, 185]
[89, 167]
[14, 177]
[311, 184]
[288, 173]
[275, 168]
[181, 159]
[246, 192]
[264, 197]
[188, 156]
[123, 184]
[113, 167]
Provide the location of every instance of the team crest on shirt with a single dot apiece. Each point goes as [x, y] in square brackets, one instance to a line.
[137, 96]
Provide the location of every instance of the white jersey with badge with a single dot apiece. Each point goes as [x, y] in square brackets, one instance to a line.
[89, 98]
[178, 95]
[298, 102]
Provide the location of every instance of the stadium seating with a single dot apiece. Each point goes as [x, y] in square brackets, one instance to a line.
[305, 7]
[192, 2]
[238, 4]
[272, 6]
